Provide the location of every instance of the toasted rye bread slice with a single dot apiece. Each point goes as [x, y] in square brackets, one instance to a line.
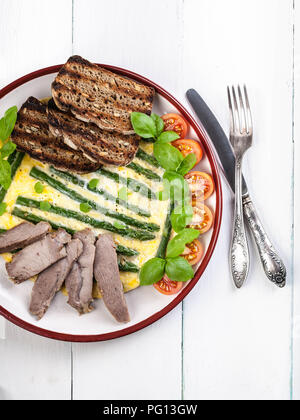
[94, 94]
[31, 135]
[104, 147]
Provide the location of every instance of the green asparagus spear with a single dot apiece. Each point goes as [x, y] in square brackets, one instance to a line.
[128, 266]
[141, 235]
[30, 217]
[161, 252]
[141, 154]
[144, 171]
[79, 181]
[132, 184]
[42, 176]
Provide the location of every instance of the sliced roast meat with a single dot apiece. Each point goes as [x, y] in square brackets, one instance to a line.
[107, 274]
[23, 235]
[50, 281]
[38, 256]
[79, 282]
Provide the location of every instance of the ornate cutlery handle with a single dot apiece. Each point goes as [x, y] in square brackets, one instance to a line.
[239, 253]
[272, 264]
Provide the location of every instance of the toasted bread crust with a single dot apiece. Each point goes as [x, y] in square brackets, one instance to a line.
[103, 146]
[31, 135]
[94, 94]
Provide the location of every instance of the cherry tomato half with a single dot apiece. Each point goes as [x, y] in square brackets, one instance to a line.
[203, 218]
[186, 147]
[193, 252]
[175, 122]
[167, 286]
[201, 185]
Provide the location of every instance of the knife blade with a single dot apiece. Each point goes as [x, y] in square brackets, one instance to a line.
[218, 137]
[273, 265]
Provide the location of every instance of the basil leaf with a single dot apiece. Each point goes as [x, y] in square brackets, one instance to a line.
[181, 216]
[119, 225]
[3, 207]
[159, 123]
[45, 205]
[143, 125]
[39, 188]
[85, 207]
[178, 269]
[8, 122]
[172, 176]
[177, 245]
[167, 156]
[152, 271]
[187, 164]
[123, 194]
[5, 174]
[167, 137]
[93, 183]
[8, 149]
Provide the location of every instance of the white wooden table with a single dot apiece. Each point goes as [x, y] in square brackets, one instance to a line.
[221, 343]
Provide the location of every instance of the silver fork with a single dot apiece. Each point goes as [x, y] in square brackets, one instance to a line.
[241, 133]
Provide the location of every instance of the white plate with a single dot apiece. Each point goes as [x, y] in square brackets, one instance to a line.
[146, 305]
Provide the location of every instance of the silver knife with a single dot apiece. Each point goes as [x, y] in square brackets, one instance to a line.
[272, 263]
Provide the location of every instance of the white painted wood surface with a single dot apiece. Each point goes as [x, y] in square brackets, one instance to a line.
[32, 367]
[2, 328]
[222, 343]
[296, 237]
[244, 334]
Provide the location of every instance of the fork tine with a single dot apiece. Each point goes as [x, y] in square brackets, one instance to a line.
[236, 112]
[232, 124]
[243, 119]
[248, 111]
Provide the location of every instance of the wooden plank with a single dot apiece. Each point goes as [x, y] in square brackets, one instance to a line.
[134, 35]
[2, 328]
[237, 343]
[34, 367]
[142, 36]
[296, 291]
[31, 40]
[142, 366]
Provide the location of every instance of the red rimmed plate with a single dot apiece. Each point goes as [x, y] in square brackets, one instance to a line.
[145, 303]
